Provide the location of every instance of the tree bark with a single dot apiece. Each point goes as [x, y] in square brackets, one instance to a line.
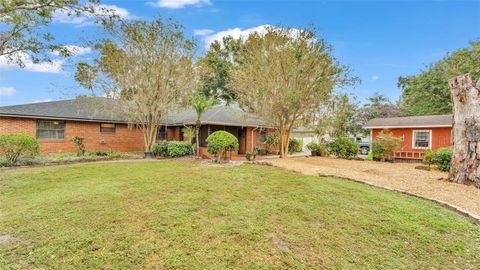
[465, 166]
[198, 125]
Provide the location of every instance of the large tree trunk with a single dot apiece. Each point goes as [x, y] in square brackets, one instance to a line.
[466, 130]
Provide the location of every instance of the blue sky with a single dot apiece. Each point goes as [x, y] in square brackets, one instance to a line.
[378, 40]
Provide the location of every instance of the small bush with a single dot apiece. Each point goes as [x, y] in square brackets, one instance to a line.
[78, 141]
[343, 147]
[220, 142]
[295, 145]
[272, 141]
[14, 146]
[384, 145]
[179, 149]
[444, 158]
[429, 158]
[173, 149]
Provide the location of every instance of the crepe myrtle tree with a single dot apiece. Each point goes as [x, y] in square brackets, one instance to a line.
[285, 74]
[147, 66]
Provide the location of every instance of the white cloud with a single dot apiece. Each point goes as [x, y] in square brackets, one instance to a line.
[70, 17]
[375, 77]
[7, 91]
[55, 66]
[234, 32]
[42, 100]
[175, 4]
[75, 50]
[203, 32]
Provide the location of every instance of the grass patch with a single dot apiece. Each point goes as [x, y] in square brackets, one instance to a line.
[188, 215]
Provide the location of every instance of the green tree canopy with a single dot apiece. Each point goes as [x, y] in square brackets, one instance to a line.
[22, 26]
[427, 93]
[214, 66]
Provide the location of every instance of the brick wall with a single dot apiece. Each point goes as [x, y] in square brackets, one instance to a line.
[123, 140]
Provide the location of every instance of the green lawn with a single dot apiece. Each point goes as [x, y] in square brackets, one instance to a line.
[186, 215]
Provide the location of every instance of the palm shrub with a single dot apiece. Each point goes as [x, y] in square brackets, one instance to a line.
[189, 132]
[14, 146]
[200, 103]
[295, 145]
[343, 147]
[384, 146]
[271, 141]
[220, 142]
[78, 141]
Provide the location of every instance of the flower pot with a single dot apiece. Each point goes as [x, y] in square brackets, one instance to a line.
[148, 155]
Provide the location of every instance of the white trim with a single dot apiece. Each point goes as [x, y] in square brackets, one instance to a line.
[424, 126]
[429, 141]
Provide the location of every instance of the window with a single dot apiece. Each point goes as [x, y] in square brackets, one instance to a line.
[262, 136]
[50, 130]
[422, 139]
[107, 128]
[162, 133]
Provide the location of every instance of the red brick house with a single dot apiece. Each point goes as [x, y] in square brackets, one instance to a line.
[99, 121]
[416, 133]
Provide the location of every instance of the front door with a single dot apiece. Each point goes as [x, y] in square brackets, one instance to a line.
[242, 140]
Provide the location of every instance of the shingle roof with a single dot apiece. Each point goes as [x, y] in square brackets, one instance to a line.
[109, 110]
[85, 108]
[411, 121]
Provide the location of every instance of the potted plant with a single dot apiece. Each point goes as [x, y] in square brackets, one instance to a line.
[314, 148]
[251, 155]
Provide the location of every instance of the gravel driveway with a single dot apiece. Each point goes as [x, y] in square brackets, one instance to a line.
[398, 176]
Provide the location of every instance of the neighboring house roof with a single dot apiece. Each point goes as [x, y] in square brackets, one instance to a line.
[304, 130]
[96, 109]
[411, 122]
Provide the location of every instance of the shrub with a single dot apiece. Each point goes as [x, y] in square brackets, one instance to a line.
[343, 147]
[429, 158]
[272, 141]
[14, 146]
[443, 158]
[160, 149]
[173, 149]
[295, 145]
[78, 141]
[313, 146]
[219, 142]
[384, 145]
[179, 149]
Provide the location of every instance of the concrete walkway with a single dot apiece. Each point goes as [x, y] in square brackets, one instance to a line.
[401, 177]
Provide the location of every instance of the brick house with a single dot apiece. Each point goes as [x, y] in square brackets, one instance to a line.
[100, 122]
[416, 133]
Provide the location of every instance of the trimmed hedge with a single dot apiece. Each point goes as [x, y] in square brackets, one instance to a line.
[343, 147]
[173, 149]
[219, 142]
[15, 146]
